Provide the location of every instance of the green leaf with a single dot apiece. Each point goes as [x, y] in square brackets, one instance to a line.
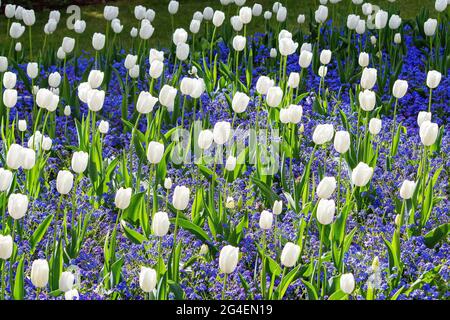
[19, 292]
[40, 232]
[436, 235]
[132, 235]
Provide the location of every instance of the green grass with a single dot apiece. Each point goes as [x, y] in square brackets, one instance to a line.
[93, 14]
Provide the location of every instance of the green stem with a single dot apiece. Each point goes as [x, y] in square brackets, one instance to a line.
[224, 286]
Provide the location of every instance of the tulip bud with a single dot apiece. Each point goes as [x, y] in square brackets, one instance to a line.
[441, 5]
[257, 10]
[361, 174]
[130, 61]
[29, 17]
[347, 283]
[156, 69]
[6, 247]
[145, 102]
[325, 211]
[180, 199]
[240, 102]
[179, 36]
[367, 8]
[274, 96]
[168, 183]
[239, 43]
[397, 38]
[17, 205]
[428, 133]
[110, 12]
[352, 21]
[221, 132]
[277, 207]
[150, 15]
[197, 16]
[146, 31]
[10, 10]
[64, 181]
[208, 13]
[3, 64]
[155, 152]
[160, 224]
[39, 273]
[294, 80]
[290, 254]
[16, 30]
[407, 189]
[6, 178]
[305, 59]
[267, 15]
[134, 72]
[395, 22]
[173, 7]
[429, 27]
[326, 187]
[323, 134]
[375, 126]
[245, 13]
[156, 55]
[230, 164]
[14, 156]
[368, 78]
[98, 41]
[9, 80]
[103, 127]
[422, 117]
[28, 158]
[294, 113]
[54, 79]
[95, 99]
[167, 97]
[323, 71]
[287, 46]
[68, 44]
[381, 18]
[194, 26]
[433, 79]
[147, 279]
[218, 18]
[264, 84]
[342, 141]
[325, 57]
[66, 281]
[228, 259]
[80, 26]
[265, 220]
[399, 89]
[363, 59]
[273, 53]
[95, 78]
[80, 161]
[367, 100]
[229, 203]
[204, 249]
[361, 27]
[123, 198]
[205, 139]
[10, 98]
[282, 14]
[32, 70]
[321, 14]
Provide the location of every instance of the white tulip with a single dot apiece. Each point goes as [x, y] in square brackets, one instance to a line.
[103, 127]
[266, 220]
[274, 96]
[367, 100]
[222, 132]
[325, 57]
[399, 89]
[290, 254]
[326, 187]
[123, 198]
[6, 247]
[347, 283]
[66, 281]
[375, 126]
[160, 224]
[98, 41]
[6, 178]
[239, 43]
[39, 273]
[155, 152]
[64, 181]
[363, 59]
[433, 79]
[325, 211]
[240, 102]
[180, 199]
[368, 78]
[205, 139]
[228, 259]
[147, 279]
[218, 18]
[422, 117]
[230, 164]
[361, 174]
[179, 36]
[17, 205]
[10, 98]
[80, 161]
[428, 133]
[167, 97]
[264, 84]
[407, 189]
[323, 133]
